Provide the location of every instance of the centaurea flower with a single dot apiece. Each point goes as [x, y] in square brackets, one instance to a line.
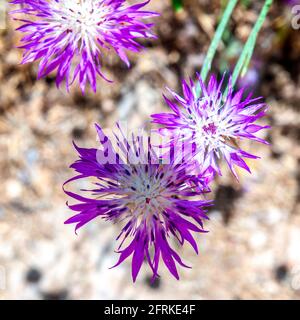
[70, 36]
[210, 126]
[154, 201]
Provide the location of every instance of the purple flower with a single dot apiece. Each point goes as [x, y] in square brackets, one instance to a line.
[70, 36]
[152, 200]
[210, 126]
[291, 2]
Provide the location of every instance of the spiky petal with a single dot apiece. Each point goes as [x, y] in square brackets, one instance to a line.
[70, 36]
[210, 127]
[154, 201]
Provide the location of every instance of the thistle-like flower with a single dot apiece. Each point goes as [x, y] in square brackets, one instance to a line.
[154, 201]
[291, 2]
[210, 126]
[70, 35]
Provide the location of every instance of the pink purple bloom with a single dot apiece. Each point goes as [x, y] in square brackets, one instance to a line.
[291, 2]
[70, 36]
[152, 200]
[211, 126]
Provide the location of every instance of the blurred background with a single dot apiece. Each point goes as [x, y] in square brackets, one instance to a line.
[253, 248]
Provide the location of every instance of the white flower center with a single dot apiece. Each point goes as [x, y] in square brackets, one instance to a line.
[211, 127]
[81, 18]
[146, 190]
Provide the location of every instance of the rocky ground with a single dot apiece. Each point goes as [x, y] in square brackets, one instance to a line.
[253, 248]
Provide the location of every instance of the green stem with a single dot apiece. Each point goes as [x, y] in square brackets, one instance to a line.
[215, 42]
[244, 60]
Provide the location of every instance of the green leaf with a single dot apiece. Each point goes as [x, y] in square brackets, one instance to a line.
[246, 3]
[177, 5]
[245, 58]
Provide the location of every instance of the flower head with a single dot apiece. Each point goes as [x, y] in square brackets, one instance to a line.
[152, 200]
[70, 35]
[291, 2]
[210, 126]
